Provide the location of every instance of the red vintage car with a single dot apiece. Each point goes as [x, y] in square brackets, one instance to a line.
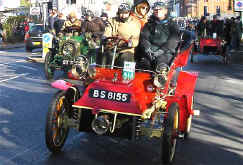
[112, 101]
[212, 46]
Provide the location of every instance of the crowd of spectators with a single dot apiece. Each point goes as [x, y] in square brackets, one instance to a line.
[228, 29]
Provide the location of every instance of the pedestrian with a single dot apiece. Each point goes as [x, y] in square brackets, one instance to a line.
[238, 32]
[51, 19]
[59, 22]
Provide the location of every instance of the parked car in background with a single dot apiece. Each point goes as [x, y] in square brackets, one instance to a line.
[33, 38]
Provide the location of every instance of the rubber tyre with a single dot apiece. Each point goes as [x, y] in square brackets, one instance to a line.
[189, 123]
[49, 71]
[56, 140]
[168, 139]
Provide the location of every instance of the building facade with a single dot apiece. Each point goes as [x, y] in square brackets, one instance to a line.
[97, 6]
[198, 8]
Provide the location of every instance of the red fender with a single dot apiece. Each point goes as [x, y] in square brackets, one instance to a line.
[183, 112]
[61, 84]
[186, 83]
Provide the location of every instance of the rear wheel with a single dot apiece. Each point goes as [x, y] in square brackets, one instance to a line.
[168, 139]
[57, 129]
[49, 70]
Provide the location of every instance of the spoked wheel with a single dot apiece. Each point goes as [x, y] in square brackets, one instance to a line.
[168, 139]
[68, 48]
[56, 124]
[189, 122]
[49, 71]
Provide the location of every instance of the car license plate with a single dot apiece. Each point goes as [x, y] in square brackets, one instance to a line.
[36, 43]
[109, 95]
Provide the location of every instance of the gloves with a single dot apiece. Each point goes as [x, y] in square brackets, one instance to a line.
[149, 54]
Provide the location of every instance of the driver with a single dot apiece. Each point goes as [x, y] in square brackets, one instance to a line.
[71, 22]
[126, 27]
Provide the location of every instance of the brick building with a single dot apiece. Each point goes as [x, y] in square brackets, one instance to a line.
[198, 8]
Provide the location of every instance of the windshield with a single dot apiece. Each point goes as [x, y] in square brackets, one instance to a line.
[36, 28]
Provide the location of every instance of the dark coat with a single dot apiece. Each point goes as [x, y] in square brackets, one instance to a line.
[58, 24]
[216, 26]
[201, 27]
[95, 26]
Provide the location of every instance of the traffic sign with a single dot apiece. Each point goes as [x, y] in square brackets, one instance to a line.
[34, 10]
[238, 5]
[46, 43]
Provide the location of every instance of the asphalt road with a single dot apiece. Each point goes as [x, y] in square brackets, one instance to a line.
[216, 138]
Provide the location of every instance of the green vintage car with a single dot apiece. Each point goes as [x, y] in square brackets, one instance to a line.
[71, 53]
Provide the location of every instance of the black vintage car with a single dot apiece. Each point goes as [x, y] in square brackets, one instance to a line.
[33, 38]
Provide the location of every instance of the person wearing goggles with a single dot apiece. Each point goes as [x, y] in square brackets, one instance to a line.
[126, 27]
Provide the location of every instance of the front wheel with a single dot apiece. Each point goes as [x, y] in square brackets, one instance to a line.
[57, 129]
[49, 70]
[189, 123]
[168, 139]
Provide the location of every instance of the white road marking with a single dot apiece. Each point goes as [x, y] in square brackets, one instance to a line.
[13, 62]
[234, 81]
[13, 77]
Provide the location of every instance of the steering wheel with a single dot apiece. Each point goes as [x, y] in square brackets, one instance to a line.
[72, 29]
[111, 42]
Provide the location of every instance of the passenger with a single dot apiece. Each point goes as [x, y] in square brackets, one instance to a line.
[140, 11]
[158, 40]
[125, 27]
[93, 25]
[216, 26]
[104, 17]
[202, 28]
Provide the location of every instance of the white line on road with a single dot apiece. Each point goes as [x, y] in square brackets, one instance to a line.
[13, 77]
